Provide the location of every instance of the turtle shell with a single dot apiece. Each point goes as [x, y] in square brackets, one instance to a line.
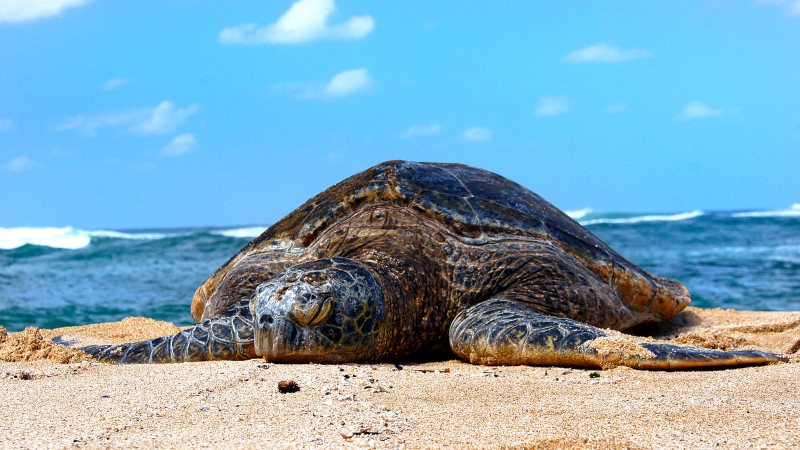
[474, 204]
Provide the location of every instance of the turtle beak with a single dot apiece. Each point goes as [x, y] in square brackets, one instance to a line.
[278, 339]
[276, 335]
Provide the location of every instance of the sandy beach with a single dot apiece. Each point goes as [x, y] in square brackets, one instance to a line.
[47, 403]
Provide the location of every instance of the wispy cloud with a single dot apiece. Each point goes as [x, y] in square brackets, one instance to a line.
[90, 124]
[20, 163]
[27, 10]
[604, 53]
[182, 144]
[477, 134]
[161, 119]
[699, 110]
[165, 118]
[6, 125]
[791, 7]
[305, 21]
[417, 131]
[114, 83]
[552, 106]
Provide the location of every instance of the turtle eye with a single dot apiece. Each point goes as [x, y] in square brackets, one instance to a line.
[311, 310]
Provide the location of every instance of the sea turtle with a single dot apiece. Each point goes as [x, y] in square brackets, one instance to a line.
[410, 258]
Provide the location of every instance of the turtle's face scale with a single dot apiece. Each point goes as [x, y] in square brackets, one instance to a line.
[329, 310]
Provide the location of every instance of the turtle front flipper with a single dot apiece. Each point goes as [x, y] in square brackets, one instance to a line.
[506, 332]
[228, 336]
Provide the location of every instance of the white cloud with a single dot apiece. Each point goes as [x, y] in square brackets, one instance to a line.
[25, 10]
[305, 21]
[699, 110]
[6, 125]
[616, 108]
[476, 134]
[20, 163]
[341, 85]
[114, 83]
[165, 118]
[552, 106]
[604, 53]
[347, 82]
[417, 131]
[181, 144]
[161, 119]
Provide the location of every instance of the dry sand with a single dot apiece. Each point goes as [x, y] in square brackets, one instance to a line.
[45, 404]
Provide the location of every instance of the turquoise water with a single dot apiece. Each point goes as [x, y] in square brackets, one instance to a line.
[53, 277]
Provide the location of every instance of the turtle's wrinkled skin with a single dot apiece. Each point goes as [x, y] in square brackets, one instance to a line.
[411, 258]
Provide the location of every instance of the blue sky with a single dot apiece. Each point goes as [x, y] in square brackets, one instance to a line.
[189, 113]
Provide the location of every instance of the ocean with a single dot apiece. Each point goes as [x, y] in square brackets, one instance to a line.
[54, 277]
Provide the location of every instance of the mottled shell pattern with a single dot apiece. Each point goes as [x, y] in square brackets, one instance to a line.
[476, 205]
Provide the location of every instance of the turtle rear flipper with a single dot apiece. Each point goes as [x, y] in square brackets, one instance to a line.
[506, 332]
[228, 336]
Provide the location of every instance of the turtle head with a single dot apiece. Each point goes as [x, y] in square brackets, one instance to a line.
[329, 310]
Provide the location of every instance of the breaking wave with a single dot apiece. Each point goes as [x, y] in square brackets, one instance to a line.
[246, 232]
[75, 238]
[579, 214]
[794, 211]
[648, 218]
[66, 237]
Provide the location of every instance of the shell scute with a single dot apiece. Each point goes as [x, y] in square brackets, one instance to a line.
[429, 177]
[508, 208]
[454, 212]
[500, 218]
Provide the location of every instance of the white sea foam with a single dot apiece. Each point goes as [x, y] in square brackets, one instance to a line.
[650, 218]
[67, 237]
[247, 232]
[121, 235]
[579, 214]
[794, 211]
